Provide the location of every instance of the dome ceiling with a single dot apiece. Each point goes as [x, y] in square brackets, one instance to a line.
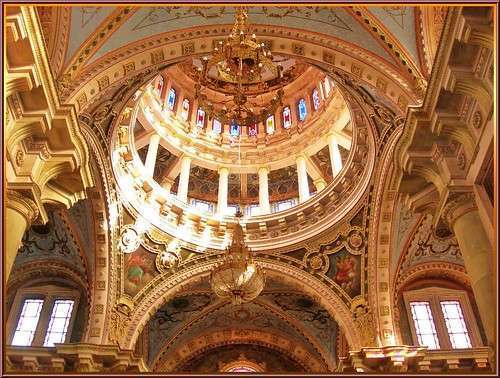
[334, 21]
[389, 35]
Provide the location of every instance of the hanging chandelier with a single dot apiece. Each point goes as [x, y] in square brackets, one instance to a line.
[239, 61]
[238, 278]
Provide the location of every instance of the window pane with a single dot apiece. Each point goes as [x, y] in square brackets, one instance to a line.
[59, 321]
[287, 118]
[424, 324]
[457, 330]
[270, 124]
[171, 98]
[302, 109]
[28, 320]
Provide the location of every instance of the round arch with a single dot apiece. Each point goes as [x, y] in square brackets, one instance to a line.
[213, 339]
[167, 288]
[172, 47]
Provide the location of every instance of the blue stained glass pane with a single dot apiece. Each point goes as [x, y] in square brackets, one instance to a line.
[302, 109]
[234, 129]
[171, 98]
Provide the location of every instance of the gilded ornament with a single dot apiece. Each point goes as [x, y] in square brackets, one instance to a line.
[130, 239]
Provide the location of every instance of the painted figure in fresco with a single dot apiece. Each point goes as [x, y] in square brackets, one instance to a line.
[137, 266]
[345, 272]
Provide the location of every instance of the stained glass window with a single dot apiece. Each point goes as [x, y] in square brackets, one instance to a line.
[287, 117]
[216, 126]
[59, 322]
[159, 85]
[270, 124]
[253, 130]
[455, 323]
[234, 129]
[302, 109]
[185, 109]
[328, 87]
[26, 326]
[315, 97]
[424, 324]
[200, 118]
[171, 98]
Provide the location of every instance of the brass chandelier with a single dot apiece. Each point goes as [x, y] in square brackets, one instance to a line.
[238, 278]
[241, 61]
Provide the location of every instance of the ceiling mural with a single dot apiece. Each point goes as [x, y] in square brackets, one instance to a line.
[52, 241]
[84, 22]
[279, 309]
[336, 22]
[268, 359]
[400, 21]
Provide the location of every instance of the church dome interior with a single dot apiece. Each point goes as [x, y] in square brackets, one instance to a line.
[250, 189]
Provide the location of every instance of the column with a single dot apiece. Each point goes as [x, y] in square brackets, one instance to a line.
[154, 142]
[20, 211]
[264, 205]
[223, 189]
[463, 216]
[335, 158]
[167, 184]
[182, 192]
[302, 178]
[320, 184]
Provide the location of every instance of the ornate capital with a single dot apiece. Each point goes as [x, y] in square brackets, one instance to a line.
[457, 206]
[23, 205]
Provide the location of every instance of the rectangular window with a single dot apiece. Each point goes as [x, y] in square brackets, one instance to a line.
[455, 324]
[171, 98]
[28, 320]
[253, 130]
[252, 210]
[234, 129]
[216, 126]
[185, 109]
[270, 125]
[315, 98]
[200, 118]
[203, 206]
[287, 118]
[59, 322]
[232, 210]
[424, 324]
[302, 109]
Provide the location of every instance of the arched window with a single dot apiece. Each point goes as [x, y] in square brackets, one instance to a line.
[185, 109]
[242, 369]
[287, 117]
[302, 109]
[315, 99]
[270, 125]
[171, 99]
[253, 130]
[200, 118]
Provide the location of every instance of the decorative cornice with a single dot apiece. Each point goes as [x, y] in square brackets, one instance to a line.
[23, 205]
[459, 205]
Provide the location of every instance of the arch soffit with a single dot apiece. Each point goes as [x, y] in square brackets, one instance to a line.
[167, 288]
[213, 339]
[153, 51]
[311, 340]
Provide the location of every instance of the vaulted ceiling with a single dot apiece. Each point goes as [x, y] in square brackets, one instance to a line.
[89, 39]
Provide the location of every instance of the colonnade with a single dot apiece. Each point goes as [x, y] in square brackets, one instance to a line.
[263, 174]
